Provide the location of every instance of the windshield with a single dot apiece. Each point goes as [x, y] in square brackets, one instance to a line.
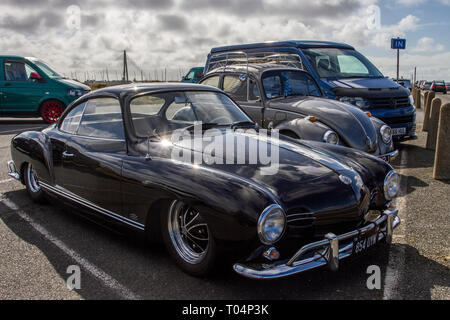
[168, 111]
[279, 83]
[341, 63]
[46, 69]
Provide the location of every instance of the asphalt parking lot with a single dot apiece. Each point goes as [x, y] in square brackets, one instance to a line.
[39, 242]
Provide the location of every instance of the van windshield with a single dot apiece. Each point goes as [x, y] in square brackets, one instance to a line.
[341, 63]
[46, 69]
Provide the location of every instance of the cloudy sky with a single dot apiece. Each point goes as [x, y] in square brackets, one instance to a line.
[81, 35]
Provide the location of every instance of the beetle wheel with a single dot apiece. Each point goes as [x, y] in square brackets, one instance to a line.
[51, 111]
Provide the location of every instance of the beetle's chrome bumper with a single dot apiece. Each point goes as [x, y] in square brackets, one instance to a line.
[324, 252]
[389, 156]
[12, 171]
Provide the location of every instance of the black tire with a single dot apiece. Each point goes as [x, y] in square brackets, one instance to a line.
[179, 244]
[32, 184]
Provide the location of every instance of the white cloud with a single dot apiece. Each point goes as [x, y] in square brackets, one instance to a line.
[427, 44]
[179, 34]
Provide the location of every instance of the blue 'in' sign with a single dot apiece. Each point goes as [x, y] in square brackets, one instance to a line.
[398, 44]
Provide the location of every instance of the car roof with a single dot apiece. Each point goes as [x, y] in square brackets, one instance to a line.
[12, 57]
[134, 88]
[290, 43]
[255, 68]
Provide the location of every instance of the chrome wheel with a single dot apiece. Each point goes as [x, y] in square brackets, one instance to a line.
[188, 232]
[33, 180]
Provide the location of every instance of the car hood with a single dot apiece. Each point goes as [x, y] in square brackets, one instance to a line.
[300, 174]
[363, 83]
[353, 126]
[72, 84]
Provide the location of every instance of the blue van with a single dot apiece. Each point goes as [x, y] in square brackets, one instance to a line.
[342, 72]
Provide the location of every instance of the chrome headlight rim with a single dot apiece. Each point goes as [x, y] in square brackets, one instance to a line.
[382, 131]
[387, 180]
[263, 218]
[328, 134]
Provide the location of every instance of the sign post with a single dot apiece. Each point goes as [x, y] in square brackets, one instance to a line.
[398, 44]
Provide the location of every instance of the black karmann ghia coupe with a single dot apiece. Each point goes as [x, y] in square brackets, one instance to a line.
[111, 155]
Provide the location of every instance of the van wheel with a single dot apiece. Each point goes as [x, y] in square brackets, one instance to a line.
[32, 184]
[188, 238]
[51, 110]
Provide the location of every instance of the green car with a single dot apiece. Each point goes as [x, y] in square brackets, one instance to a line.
[194, 75]
[29, 88]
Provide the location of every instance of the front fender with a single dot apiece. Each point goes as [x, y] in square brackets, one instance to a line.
[304, 128]
[230, 204]
[33, 147]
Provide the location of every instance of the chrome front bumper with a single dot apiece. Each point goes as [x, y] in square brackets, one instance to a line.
[324, 252]
[389, 156]
[12, 171]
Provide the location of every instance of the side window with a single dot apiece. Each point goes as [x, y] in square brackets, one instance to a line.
[313, 89]
[254, 90]
[212, 81]
[17, 71]
[102, 118]
[198, 74]
[145, 106]
[72, 120]
[235, 87]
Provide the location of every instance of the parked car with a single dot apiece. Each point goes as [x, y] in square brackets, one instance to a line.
[343, 74]
[426, 85]
[291, 101]
[193, 76]
[30, 88]
[405, 83]
[111, 156]
[439, 86]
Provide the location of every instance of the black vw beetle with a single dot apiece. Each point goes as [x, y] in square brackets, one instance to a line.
[289, 99]
[113, 156]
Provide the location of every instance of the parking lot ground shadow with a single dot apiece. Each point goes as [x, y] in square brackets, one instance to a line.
[148, 272]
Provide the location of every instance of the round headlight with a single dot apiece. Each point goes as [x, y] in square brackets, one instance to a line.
[331, 137]
[386, 134]
[271, 224]
[391, 185]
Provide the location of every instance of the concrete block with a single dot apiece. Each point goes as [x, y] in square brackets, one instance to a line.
[418, 98]
[426, 118]
[433, 123]
[441, 168]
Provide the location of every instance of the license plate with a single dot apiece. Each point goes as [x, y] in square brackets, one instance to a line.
[398, 131]
[364, 242]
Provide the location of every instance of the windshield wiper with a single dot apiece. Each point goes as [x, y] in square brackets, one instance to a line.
[238, 124]
[204, 125]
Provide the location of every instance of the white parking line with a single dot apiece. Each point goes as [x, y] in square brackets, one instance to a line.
[105, 278]
[22, 129]
[396, 263]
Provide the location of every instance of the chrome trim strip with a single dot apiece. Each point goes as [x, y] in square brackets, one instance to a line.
[12, 170]
[391, 155]
[69, 195]
[324, 252]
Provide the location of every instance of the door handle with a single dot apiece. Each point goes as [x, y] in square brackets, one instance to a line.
[67, 155]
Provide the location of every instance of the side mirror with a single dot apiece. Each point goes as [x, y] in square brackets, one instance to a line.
[36, 76]
[183, 78]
